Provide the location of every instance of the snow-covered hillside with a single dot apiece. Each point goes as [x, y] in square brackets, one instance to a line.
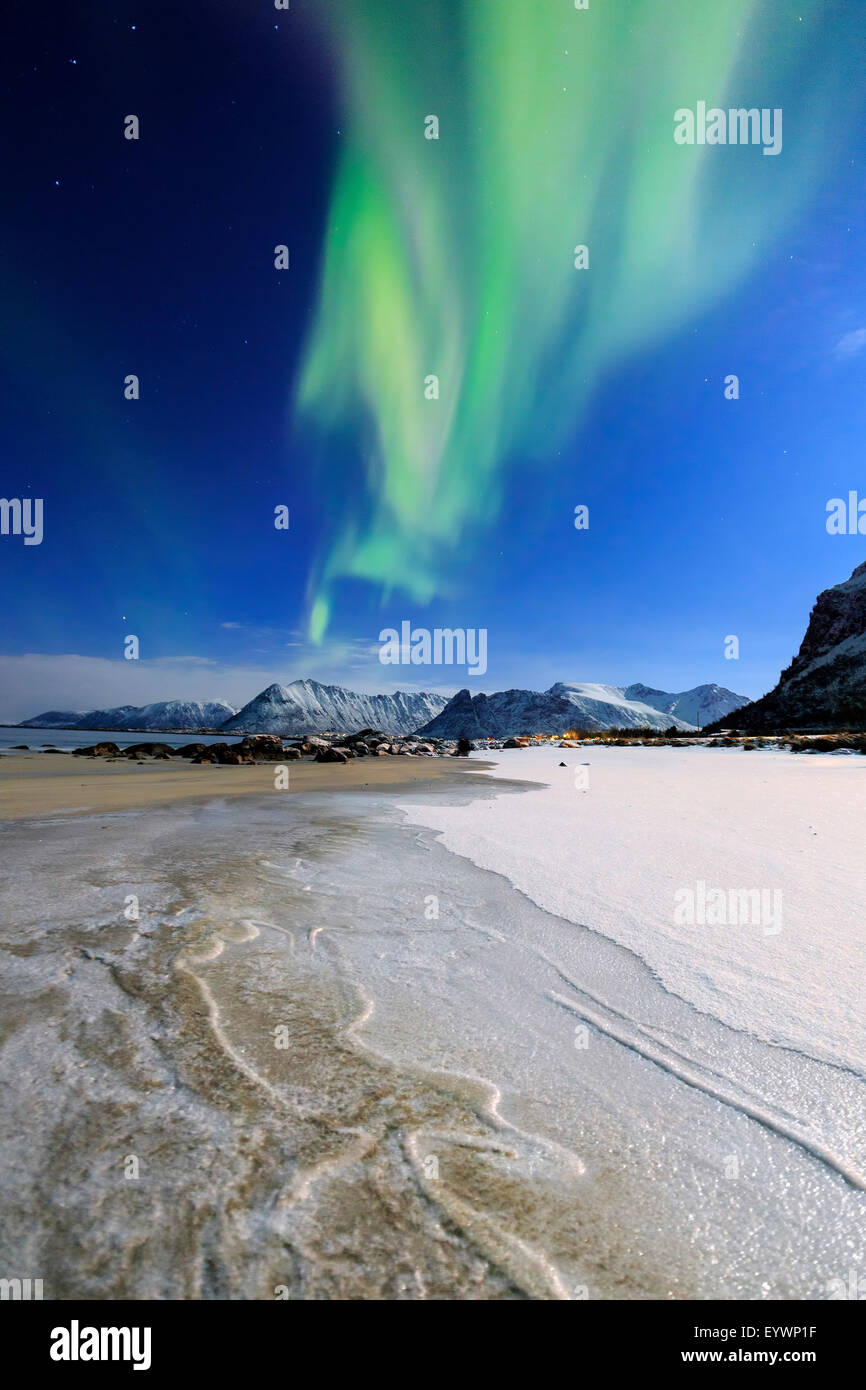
[166, 714]
[306, 707]
[610, 707]
[54, 719]
[564, 706]
[700, 706]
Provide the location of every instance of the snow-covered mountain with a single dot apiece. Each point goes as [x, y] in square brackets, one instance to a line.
[825, 685]
[610, 707]
[308, 707]
[700, 706]
[53, 719]
[566, 705]
[166, 714]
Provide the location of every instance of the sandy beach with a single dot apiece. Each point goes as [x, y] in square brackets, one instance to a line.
[35, 784]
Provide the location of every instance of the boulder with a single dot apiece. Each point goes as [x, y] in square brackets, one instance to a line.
[97, 750]
[227, 754]
[189, 750]
[139, 750]
[331, 755]
[266, 748]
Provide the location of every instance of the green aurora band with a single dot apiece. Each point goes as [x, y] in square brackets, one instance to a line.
[455, 256]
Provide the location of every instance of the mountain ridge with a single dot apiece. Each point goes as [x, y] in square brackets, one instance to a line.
[566, 704]
[698, 706]
[164, 715]
[308, 706]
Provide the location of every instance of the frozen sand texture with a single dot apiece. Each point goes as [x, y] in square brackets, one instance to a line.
[477, 1099]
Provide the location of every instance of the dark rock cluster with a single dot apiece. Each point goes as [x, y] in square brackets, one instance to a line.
[269, 748]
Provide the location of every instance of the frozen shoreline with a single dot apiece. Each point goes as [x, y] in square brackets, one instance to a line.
[644, 825]
[478, 1099]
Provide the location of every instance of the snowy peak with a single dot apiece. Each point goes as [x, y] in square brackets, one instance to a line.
[566, 705]
[308, 707]
[183, 714]
[610, 707]
[702, 705]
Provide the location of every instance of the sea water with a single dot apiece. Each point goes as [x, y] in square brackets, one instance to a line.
[67, 739]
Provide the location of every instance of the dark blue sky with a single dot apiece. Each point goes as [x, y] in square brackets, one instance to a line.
[156, 257]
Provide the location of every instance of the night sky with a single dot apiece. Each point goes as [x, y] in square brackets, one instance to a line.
[305, 387]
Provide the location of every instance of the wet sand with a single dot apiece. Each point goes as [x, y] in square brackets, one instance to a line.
[36, 784]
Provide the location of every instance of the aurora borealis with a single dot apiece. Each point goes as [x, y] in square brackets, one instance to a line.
[455, 256]
[310, 388]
